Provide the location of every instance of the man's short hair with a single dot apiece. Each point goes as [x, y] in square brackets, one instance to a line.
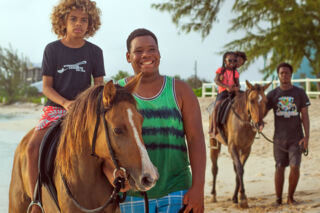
[283, 64]
[137, 33]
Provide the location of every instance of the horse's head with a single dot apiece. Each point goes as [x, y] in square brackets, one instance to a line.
[256, 102]
[124, 131]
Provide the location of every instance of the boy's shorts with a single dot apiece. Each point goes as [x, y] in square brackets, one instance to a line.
[284, 159]
[50, 114]
[171, 203]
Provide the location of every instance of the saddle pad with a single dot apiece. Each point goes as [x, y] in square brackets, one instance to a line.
[47, 155]
[223, 111]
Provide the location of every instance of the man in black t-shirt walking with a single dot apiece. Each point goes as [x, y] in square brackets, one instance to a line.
[290, 106]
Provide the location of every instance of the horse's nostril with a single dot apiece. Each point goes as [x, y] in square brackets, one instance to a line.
[146, 180]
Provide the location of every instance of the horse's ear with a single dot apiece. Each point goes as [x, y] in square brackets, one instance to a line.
[133, 83]
[266, 86]
[109, 92]
[248, 84]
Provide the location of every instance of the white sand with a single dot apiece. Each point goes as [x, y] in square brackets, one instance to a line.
[259, 169]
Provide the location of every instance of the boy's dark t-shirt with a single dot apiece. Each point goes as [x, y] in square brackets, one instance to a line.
[287, 105]
[71, 68]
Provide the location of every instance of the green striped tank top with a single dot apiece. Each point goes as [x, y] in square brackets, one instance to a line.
[164, 137]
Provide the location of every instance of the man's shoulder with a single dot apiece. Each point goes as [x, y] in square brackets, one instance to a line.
[298, 89]
[273, 91]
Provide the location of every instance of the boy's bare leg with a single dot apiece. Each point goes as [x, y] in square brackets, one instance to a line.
[32, 161]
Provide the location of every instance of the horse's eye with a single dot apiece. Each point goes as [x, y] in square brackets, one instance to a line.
[117, 131]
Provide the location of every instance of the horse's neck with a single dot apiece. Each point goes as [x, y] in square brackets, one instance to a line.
[240, 106]
[86, 167]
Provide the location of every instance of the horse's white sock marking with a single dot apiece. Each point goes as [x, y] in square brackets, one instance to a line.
[147, 166]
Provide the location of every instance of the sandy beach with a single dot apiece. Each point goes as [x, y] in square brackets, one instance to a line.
[259, 169]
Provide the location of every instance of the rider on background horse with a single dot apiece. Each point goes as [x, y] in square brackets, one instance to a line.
[227, 79]
[67, 67]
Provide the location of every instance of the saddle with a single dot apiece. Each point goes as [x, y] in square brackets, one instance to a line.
[47, 155]
[222, 113]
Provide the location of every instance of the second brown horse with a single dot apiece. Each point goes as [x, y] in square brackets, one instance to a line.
[245, 115]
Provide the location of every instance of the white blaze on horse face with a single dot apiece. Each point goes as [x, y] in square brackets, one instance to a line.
[259, 99]
[147, 166]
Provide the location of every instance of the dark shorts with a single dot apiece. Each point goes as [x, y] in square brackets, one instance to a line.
[222, 95]
[283, 158]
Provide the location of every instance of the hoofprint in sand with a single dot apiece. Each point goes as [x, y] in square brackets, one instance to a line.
[259, 169]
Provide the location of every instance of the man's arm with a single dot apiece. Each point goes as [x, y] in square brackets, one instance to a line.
[191, 115]
[306, 127]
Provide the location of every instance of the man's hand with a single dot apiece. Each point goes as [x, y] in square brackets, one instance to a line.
[194, 200]
[304, 141]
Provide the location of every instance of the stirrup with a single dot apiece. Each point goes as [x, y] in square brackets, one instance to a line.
[35, 203]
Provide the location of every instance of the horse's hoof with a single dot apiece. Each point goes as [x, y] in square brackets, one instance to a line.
[235, 200]
[243, 204]
[213, 199]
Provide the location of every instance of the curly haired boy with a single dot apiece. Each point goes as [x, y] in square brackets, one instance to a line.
[67, 67]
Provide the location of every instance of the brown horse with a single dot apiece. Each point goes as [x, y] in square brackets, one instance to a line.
[83, 172]
[245, 115]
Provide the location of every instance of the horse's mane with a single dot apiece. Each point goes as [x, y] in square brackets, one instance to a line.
[74, 137]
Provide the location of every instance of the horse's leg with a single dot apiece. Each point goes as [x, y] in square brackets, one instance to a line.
[236, 190]
[239, 173]
[215, 147]
[243, 198]
[18, 199]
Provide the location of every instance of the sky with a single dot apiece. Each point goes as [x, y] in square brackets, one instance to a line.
[26, 27]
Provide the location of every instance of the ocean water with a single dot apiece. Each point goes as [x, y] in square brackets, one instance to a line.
[8, 143]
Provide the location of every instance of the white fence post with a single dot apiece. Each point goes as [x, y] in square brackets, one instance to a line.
[307, 82]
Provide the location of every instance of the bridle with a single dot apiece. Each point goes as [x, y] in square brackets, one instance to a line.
[119, 181]
[249, 121]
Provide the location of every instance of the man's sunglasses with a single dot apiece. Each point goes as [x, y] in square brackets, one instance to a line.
[230, 60]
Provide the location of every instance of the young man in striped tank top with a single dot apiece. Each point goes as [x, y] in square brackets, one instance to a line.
[171, 114]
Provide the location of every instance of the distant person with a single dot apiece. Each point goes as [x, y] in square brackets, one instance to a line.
[67, 67]
[290, 107]
[227, 79]
[171, 113]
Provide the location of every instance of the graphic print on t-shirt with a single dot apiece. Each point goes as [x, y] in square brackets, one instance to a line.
[75, 67]
[286, 107]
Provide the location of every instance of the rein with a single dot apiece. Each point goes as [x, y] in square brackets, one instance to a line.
[119, 181]
[305, 152]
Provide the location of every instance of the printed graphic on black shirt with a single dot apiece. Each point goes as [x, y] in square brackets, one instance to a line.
[286, 107]
[75, 67]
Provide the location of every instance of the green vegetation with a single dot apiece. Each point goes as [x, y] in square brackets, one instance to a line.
[120, 75]
[276, 30]
[12, 82]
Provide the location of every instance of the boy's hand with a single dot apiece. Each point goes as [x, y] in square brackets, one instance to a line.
[67, 105]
